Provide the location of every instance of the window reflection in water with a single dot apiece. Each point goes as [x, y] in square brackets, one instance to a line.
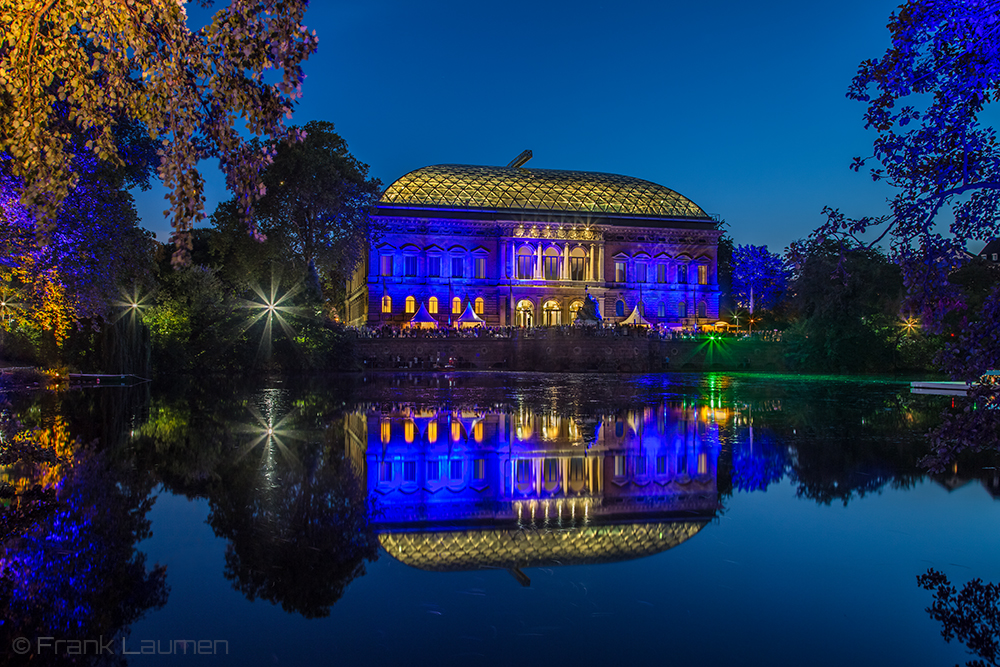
[624, 484]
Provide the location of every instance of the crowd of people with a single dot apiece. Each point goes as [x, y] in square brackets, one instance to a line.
[564, 331]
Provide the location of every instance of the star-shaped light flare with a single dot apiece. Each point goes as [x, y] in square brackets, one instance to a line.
[272, 306]
[10, 303]
[271, 431]
[131, 305]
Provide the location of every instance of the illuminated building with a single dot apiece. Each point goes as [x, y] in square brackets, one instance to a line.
[462, 489]
[524, 246]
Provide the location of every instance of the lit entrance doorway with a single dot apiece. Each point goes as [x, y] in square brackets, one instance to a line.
[574, 311]
[525, 313]
[551, 314]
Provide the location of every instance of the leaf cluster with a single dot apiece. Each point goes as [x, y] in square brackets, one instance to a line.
[971, 616]
[75, 66]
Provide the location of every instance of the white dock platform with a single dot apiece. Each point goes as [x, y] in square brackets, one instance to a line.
[940, 388]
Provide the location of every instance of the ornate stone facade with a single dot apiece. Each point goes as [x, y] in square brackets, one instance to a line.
[525, 246]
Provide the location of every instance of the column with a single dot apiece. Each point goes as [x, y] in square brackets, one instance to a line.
[600, 263]
[565, 262]
[592, 269]
[538, 261]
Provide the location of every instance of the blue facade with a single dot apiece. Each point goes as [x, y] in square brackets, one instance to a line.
[534, 265]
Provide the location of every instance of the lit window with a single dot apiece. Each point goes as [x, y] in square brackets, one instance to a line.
[434, 267]
[456, 469]
[702, 274]
[578, 264]
[640, 272]
[550, 264]
[620, 468]
[456, 306]
[433, 471]
[385, 430]
[457, 265]
[479, 469]
[574, 310]
[408, 431]
[576, 470]
[385, 266]
[456, 431]
[620, 273]
[409, 266]
[411, 304]
[525, 264]
[703, 464]
[478, 307]
[477, 431]
[994, 257]
[432, 305]
[387, 304]
[409, 471]
[480, 267]
[661, 273]
[432, 432]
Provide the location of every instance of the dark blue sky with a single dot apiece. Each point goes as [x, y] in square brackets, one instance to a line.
[739, 106]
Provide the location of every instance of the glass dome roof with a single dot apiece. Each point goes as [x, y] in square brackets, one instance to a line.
[468, 186]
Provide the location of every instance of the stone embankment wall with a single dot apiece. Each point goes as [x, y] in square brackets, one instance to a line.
[557, 352]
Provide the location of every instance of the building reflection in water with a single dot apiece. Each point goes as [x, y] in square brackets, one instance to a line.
[465, 488]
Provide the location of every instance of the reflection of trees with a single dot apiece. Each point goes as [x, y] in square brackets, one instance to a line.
[842, 453]
[270, 463]
[298, 531]
[834, 442]
[68, 564]
[971, 616]
[759, 461]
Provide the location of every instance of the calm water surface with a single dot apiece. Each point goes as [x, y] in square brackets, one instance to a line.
[492, 519]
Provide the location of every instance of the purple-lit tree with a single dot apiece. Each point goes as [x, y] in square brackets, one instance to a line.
[759, 278]
[925, 99]
[94, 247]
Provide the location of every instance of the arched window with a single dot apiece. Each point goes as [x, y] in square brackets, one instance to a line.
[525, 313]
[578, 264]
[551, 264]
[409, 429]
[456, 431]
[574, 310]
[411, 305]
[478, 306]
[682, 309]
[456, 306]
[385, 431]
[387, 304]
[525, 263]
[432, 432]
[432, 305]
[620, 308]
[661, 310]
[702, 309]
[551, 314]
[682, 274]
